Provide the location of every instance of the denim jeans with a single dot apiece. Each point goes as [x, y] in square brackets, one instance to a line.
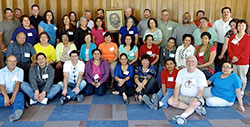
[18, 103]
[164, 99]
[26, 88]
[100, 91]
[160, 69]
[71, 86]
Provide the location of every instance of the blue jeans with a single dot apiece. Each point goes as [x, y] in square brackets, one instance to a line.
[71, 86]
[164, 99]
[18, 103]
[26, 88]
[159, 75]
[100, 91]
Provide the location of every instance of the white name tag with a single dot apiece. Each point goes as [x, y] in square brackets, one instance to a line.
[170, 79]
[29, 34]
[147, 70]
[234, 41]
[26, 54]
[170, 28]
[132, 54]
[45, 76]
[14, 78]
[103, 33]
[55, 28]
[201, 54]
[131, 32]
[126, 72]
[111, 49]
[149, 52]
[171, 55]
[96, 76]
[70, 33]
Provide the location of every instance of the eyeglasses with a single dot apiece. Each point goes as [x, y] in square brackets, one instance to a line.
[226, 67]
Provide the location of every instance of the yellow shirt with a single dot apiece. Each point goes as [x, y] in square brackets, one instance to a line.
[49, 51]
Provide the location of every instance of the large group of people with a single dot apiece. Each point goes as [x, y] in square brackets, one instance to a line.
[160, 63]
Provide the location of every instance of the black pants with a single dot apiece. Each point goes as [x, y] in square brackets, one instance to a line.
[100, 91]
[151, 86]
[130, 91]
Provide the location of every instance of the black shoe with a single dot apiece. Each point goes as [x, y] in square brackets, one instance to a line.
[63, 100]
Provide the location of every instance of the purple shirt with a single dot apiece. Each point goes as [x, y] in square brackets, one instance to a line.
[31, 34]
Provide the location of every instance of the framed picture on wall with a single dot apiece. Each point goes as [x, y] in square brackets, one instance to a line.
[114, 19]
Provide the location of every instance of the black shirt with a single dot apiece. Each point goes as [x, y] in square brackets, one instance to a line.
[35, 20]
[79, 37]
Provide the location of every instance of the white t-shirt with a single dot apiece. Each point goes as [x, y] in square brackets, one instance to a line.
[73, 71]
[221, 29]
[182, 54]
[190, 82]
[87, 55]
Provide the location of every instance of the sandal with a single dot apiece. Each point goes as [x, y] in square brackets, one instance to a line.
[179, 120]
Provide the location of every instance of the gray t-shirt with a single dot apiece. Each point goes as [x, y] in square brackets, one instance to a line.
[8, 28]
[181, 30]
[142, 27]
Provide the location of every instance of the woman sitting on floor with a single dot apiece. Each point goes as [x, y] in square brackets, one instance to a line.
[145, 78]
[226, 88]
[123, 76]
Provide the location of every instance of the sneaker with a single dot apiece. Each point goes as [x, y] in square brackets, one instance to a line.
[44, 101]
[242, 93]
[155, 101]
[79, 98]
[147, 101]
[32, 102]
[16, 115]
[201, 110]
[63, 100]
[179, 119]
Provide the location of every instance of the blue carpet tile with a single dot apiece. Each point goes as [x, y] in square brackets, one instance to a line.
[193, 123]
[23, 124]
[222, 113]
[102, 123]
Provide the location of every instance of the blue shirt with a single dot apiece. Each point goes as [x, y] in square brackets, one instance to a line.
[51, 30]
[150, 72]
[31, 35]
[22, 53]
[9, 79]
[130, 54]
[130, 72]
[123, 31]
[83, 51]
[225, 88]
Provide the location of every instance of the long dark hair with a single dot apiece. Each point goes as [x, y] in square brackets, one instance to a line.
[132, 44]
[63, 25]
[103, 27]
[44, 17]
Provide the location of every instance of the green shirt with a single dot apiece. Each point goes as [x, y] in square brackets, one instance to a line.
[197, 36]
[167, 30]
[7, 28]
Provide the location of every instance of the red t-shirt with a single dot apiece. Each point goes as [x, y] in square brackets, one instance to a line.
[152, 52]
[197, 23]
[169, 79]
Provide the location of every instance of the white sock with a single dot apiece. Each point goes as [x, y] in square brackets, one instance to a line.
[68, 97]
[160, 104]
[185, 115]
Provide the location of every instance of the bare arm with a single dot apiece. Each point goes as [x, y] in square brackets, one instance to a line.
[158, 42]
[79, 79]
[163, 89]
[119, 39]
[224, 48]
[40, 29]
[5, 95]
[16, 89]
[211, 60]
[136, 57]
[136, 39]
[241, 106]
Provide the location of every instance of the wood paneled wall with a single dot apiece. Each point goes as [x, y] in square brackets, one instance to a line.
[240, 8]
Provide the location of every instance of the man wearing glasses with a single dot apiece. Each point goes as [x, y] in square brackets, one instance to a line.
[190, 83]
[73, 82]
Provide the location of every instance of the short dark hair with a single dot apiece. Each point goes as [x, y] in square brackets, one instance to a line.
[41, 54]
[147, 10]
[228, 62]
[172, 38]
[242, 21]
[96, 50]
[73, 52]
[90, 36]
[44, 17]
[170, 59]
[206, 34]
[205, 18]
[225, 9]
[100, 9]
[145, 56]
[107, 34]
[235, 20]
[188, 35]
[45, 34]
[156, 25]
[164, 10]
[149, 35]
[24, 16]
[35, 5]
[7, 9]
[200, 11]
[123, 54]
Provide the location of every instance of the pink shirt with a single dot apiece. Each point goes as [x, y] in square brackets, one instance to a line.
[99, 35]
[96, 70]
[201, 58]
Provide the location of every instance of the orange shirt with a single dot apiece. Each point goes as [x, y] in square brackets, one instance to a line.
[108, 51]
